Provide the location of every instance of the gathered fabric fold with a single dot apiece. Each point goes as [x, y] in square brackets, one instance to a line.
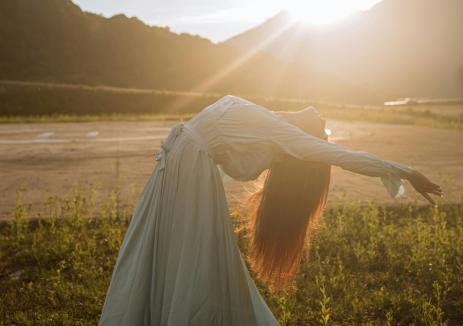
[167, 144]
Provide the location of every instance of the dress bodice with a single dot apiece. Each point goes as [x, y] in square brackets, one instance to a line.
[243, 138]
[224, 126]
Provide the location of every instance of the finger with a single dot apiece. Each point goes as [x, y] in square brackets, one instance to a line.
[434, 186]
[438, 189]
[425, 195]
[432, 189]
[436, 192]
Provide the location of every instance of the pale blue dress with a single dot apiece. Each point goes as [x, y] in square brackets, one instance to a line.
[179, 263]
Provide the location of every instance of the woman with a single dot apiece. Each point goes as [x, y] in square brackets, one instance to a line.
[179, 263]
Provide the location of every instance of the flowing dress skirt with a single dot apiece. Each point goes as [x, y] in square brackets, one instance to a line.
[179, 262]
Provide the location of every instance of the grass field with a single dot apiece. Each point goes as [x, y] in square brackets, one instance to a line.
[46, 102]
[396, 116]
[368, 265]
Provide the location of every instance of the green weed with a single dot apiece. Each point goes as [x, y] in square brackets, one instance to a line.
[47, 102]
[367, 265]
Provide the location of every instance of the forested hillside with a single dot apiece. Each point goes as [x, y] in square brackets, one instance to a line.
[55, 41]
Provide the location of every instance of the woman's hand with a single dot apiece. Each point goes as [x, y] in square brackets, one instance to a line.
[424, 186]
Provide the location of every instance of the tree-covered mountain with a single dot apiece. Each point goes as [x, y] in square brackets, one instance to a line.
[399, 47]
[54, 40]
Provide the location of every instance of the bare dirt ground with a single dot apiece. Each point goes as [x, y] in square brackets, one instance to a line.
[45, 159]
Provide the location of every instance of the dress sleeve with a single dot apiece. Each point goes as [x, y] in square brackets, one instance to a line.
[291, 140]
[295, 142]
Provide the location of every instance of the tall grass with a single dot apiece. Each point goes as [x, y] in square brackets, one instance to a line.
[368, 265]
[45, 102]
[34, 118]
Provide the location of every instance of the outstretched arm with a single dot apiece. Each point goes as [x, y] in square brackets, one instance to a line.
[389, 171]
[247, 122]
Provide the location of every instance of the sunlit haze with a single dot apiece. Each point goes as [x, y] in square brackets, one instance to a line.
[327, 11]
[219, 20]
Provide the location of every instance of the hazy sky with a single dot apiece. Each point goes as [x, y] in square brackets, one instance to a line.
[221, 19]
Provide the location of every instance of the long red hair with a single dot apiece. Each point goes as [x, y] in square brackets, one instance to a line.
[285, 211]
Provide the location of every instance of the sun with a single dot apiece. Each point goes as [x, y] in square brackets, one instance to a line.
[326, 12]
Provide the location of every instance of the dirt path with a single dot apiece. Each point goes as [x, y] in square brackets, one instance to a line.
[46, 159]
